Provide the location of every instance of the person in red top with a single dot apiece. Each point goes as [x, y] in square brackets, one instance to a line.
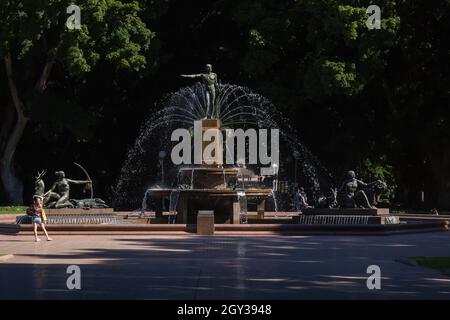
[37, 213]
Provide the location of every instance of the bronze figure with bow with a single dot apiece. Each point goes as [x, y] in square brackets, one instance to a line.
[90, 185]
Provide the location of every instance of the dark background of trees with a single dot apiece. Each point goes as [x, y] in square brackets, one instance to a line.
[397, 120]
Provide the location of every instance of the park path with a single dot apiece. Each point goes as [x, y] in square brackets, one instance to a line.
[223, 267]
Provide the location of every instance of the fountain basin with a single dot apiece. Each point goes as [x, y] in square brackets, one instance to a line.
[224, 202]
[211, 192]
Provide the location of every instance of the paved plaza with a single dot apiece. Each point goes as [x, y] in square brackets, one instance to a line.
[223, 267]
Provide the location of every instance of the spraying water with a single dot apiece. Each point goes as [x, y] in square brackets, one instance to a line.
[236, 107]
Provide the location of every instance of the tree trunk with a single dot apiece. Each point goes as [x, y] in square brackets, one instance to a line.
[12, 185]
[8, 118]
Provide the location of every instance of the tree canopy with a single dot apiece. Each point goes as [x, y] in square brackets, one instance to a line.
[34, 38]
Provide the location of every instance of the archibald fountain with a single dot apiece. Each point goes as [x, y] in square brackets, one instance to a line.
[200, 125]
[201, 115]
[209, 184]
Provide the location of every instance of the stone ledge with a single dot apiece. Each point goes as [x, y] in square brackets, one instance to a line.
[247, 228]
[5, 257]
[113, 227]
[9, 228]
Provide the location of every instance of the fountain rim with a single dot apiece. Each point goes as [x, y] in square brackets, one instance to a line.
[213, 170]
[250, 192]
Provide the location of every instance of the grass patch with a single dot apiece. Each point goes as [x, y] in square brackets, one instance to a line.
[436, 263]
[13, 210]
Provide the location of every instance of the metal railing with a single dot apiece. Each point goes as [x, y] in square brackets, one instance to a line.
[74, 219]
[333, 219]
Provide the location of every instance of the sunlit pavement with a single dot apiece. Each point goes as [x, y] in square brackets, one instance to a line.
[237, 267]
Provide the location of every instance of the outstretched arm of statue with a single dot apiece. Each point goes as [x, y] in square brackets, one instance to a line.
[193, 76]
[362, 183]
[78, 181]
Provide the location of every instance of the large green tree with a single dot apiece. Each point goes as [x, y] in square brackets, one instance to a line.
[324, 67]
[35, 40]
[369, 96]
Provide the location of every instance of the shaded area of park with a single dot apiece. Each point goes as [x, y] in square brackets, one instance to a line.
[187, 267]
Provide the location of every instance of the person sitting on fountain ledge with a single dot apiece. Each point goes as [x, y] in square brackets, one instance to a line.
[301, 200]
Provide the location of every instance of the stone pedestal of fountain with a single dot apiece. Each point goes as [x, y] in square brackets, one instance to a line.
[205, 223]
[211, 186]
[260, 209]
[224, 203]
[236, 212]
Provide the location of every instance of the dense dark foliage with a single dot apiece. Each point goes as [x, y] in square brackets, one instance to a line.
[374, 100]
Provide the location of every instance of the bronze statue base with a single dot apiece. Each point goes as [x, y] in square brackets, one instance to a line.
[79, 211]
